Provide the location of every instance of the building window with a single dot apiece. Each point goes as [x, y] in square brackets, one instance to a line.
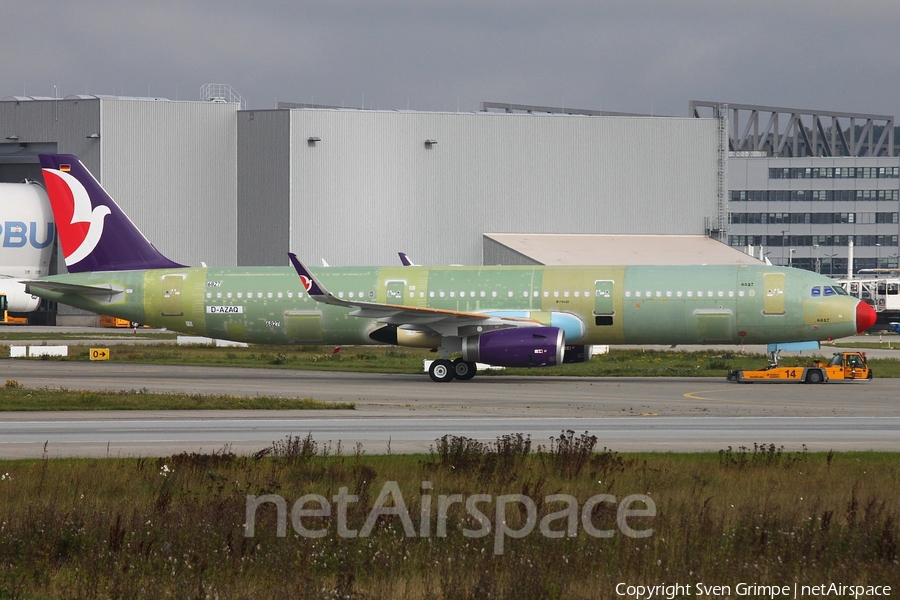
[814, 195]
[834, 173]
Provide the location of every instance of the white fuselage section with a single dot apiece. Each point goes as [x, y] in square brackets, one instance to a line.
[27, 232]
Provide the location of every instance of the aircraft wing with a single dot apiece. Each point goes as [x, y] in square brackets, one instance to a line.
[443, 322]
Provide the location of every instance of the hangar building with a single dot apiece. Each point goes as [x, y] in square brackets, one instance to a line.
[354, 186]
[207, 181]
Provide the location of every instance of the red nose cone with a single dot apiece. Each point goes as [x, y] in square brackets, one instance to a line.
[865, 317]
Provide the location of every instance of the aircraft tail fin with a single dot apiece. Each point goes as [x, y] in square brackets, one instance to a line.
[94, 233]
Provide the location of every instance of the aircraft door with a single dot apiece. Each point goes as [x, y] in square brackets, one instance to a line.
[714, 325]
[395, 291]
[171, 303]
[303, 326]
[774, 286]
[603, 301]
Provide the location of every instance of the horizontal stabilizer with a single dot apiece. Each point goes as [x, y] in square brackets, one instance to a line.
[92, 291]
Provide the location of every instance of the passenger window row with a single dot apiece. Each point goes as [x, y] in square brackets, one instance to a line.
[251, 295]
[412, 294]
[817, 291]
[687, 293]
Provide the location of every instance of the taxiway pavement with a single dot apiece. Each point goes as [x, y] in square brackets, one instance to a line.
[410, 411]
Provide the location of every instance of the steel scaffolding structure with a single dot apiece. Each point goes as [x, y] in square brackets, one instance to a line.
[793, 132]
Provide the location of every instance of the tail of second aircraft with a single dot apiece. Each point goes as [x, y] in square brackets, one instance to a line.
[94, 233]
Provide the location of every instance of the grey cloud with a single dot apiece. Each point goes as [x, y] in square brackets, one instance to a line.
[636, 55]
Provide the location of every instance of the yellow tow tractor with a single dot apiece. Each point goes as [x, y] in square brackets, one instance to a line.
[844, 366]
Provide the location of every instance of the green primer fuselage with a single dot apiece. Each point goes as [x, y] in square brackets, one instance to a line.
[617, 304]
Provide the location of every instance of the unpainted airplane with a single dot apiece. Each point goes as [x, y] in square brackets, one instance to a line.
[505, 316]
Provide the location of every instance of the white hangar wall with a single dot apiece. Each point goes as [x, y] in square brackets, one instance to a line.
[364, 184]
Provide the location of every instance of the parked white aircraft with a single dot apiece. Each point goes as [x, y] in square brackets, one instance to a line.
[27, 231]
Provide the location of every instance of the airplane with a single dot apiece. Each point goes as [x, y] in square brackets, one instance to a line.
[504, 316]
[26, 242]
[405, 261]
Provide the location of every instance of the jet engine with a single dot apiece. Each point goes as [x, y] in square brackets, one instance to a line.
[17, 300]
[521, 347]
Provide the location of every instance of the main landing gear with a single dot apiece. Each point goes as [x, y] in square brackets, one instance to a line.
[444, 370]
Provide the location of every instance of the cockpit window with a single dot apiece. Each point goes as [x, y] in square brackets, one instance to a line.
[816, 292]
[840, 291]
[829, 291]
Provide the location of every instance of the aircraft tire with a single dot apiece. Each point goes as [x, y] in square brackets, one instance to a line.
[815, 376]
[464, 370]
[441, 370]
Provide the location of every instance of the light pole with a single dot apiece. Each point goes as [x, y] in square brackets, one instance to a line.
[830, 258]
[791, 257]
[877, 256]
[818, 263]
[783, 244]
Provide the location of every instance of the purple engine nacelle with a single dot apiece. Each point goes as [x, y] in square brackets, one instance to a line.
[521, 347]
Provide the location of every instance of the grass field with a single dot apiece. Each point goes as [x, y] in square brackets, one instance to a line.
[14, 396]
[174, 527]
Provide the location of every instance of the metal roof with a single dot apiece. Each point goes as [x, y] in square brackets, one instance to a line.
[82, 97]
[590, 249]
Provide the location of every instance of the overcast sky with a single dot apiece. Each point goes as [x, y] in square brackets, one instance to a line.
[624, 55]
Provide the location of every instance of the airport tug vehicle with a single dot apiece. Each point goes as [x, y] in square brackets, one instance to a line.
[843, 366]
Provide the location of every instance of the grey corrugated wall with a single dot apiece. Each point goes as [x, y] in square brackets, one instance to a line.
[51, 126]
[172, 167]
[372, 187]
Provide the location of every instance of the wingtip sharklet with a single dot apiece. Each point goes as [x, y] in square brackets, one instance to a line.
[306, 278]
